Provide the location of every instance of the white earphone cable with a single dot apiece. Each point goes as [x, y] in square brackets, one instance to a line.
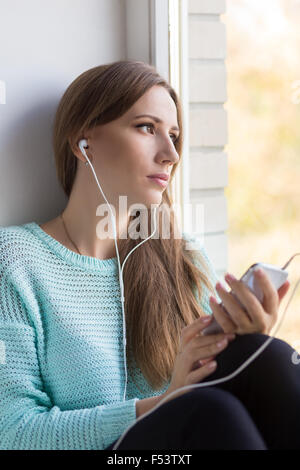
[81, 146]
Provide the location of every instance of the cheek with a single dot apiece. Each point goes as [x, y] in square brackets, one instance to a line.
[126, 155]
[135, 159]
[137, 142]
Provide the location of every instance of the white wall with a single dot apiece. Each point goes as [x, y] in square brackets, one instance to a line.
[44, 46]
[208, 123]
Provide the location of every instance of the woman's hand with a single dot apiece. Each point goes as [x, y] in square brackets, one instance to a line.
[251, 316]
[194, 361]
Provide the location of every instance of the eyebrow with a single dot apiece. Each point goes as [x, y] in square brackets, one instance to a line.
[156, 119]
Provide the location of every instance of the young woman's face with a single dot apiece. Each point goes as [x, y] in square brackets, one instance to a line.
[127, 150]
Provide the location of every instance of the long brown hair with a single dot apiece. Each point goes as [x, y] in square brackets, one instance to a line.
[161, 275]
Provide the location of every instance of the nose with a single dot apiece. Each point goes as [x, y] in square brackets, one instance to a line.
[168, 152]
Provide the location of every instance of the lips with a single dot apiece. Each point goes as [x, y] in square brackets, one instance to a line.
[161, 176]
[161, 182]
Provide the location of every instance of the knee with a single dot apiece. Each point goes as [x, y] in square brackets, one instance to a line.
[277, 348]
[210, 401]
[220, 413]
[250, 343]
[211, 397]
[277, 354]
[250, 340]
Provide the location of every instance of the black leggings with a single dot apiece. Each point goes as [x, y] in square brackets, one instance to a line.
[258, 409]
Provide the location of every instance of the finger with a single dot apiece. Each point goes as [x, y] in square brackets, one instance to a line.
[206, 340]
[222, 317]
[270, 300]
[231, 304]
[249, 304]
[204, 352]
[283, 290]
[196, 355]
[189, 331]
[199, 374]
[202, 362]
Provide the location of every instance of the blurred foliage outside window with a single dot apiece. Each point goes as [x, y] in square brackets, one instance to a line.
[263, 108]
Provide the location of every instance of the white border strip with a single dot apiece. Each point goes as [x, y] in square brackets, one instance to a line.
[2, 92]
[184, 93]
[179, 79]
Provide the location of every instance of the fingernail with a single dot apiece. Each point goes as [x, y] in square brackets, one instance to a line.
[230, 336]
[213, 299]
[206, 319]
[258, 271]
[211, 365]
[230, 277]
[221, 287]
[222, 343]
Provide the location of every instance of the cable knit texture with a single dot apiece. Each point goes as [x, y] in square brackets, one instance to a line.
[61, 346]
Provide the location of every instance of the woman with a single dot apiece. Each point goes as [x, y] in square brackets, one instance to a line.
[62, 381]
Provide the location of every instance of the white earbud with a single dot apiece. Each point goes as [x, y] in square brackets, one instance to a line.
[82, 144]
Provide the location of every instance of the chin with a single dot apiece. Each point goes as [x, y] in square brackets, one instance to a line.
[146, 199]
[154, 200]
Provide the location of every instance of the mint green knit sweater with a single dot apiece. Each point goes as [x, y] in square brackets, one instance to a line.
[61, 346]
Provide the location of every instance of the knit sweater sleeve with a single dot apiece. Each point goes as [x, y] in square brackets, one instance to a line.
[28, 418]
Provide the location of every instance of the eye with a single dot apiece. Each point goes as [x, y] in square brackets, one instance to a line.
[149, 124]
